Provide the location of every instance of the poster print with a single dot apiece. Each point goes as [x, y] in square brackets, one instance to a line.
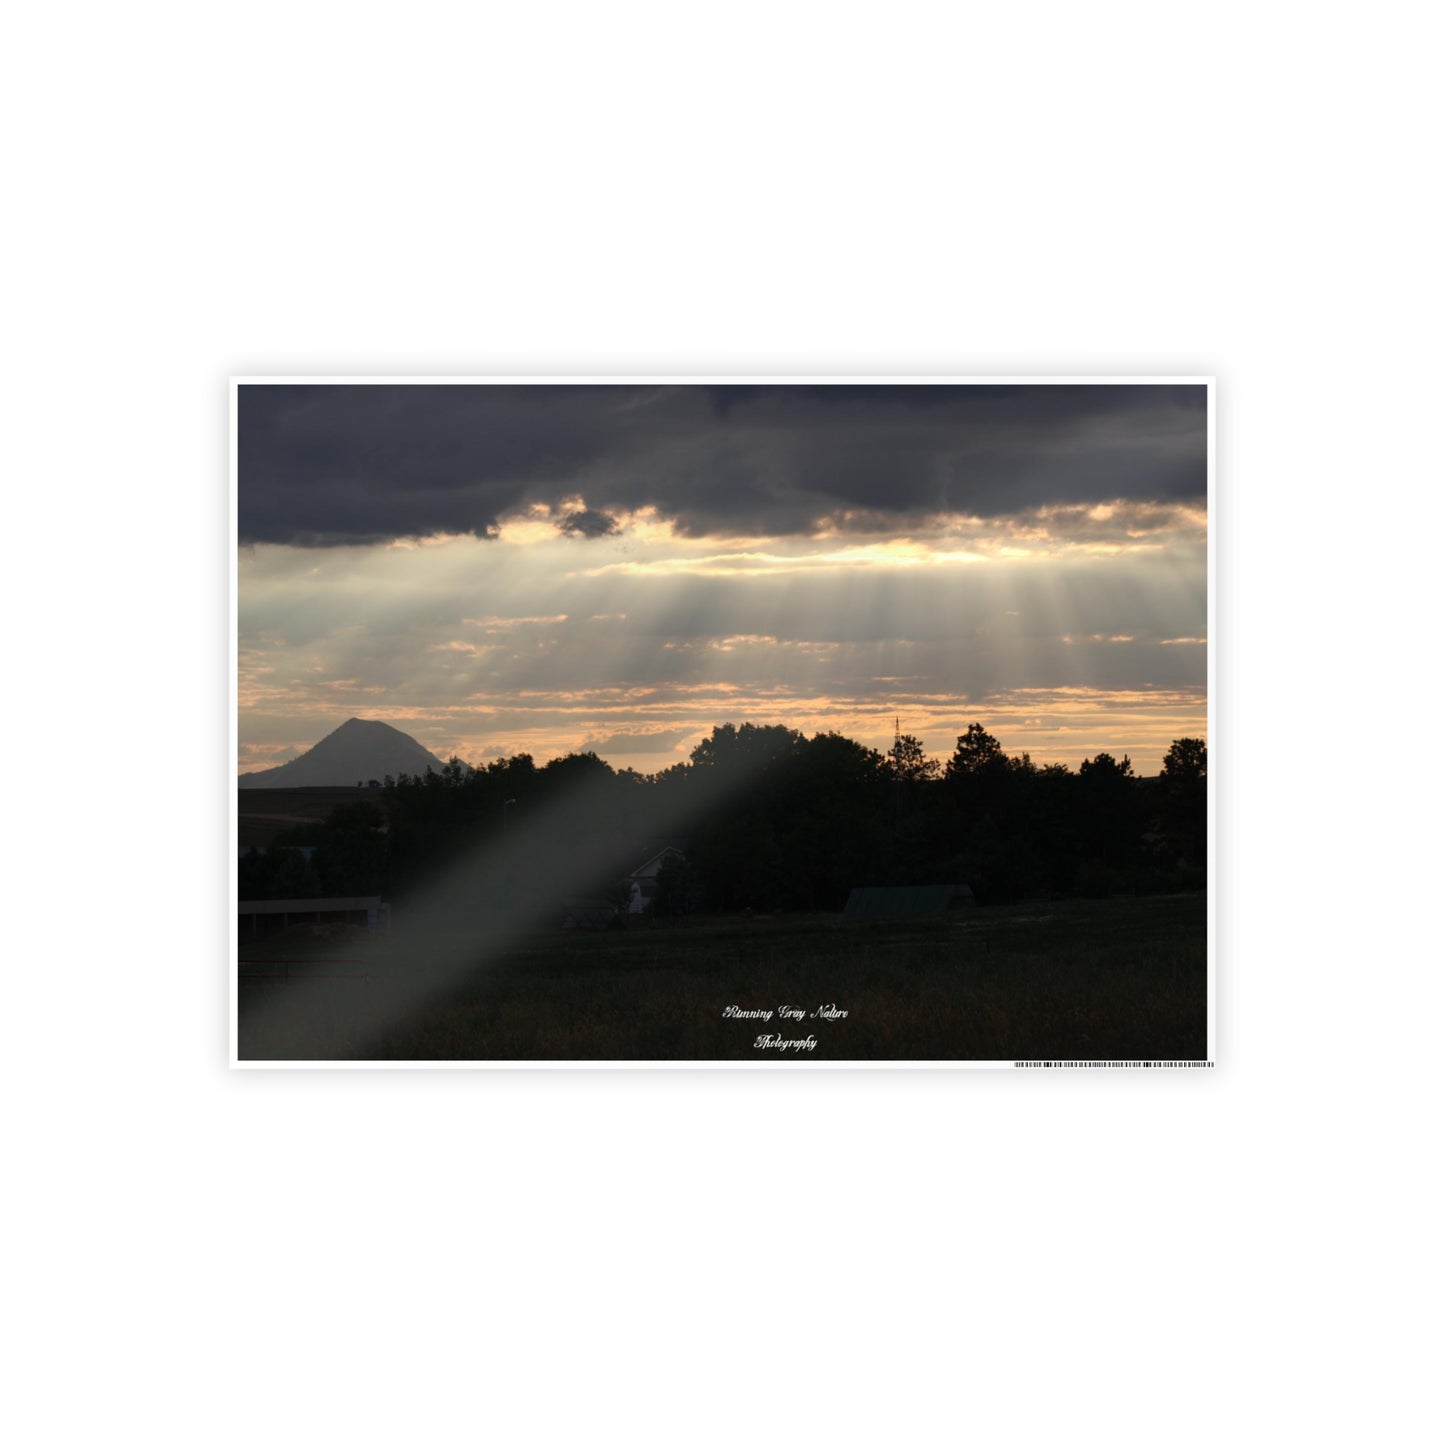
[762, 724]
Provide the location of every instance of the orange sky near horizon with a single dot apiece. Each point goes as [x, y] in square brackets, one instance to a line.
[1065, 632]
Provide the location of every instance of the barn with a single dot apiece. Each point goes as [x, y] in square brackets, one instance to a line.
[263, 916]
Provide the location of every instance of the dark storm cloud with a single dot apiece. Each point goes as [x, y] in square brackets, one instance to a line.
[587, 523]
[330, 465]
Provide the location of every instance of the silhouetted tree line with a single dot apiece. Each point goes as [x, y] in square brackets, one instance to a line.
[772, 820]
[348, 858]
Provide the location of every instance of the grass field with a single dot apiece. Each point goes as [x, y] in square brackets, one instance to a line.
[262, 813]
[1121, 978]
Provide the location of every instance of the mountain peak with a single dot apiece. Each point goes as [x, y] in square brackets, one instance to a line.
[357, 751]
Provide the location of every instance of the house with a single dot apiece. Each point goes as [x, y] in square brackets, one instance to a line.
[623, 880]
[642, 876]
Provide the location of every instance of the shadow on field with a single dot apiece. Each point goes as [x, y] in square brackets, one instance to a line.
[1110, 979]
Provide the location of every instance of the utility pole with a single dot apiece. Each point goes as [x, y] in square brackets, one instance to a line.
[897, 777]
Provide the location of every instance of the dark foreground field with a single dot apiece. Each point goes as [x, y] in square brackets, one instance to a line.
[1114, 979]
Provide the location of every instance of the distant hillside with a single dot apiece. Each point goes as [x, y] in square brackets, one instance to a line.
[357, 751]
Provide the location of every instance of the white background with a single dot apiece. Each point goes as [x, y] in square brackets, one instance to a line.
[197, 191]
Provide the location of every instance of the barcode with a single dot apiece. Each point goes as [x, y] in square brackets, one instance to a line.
[1114, 1064]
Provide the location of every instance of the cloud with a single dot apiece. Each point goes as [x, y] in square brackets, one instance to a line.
[323, 466]
[587, 523]
[663, 741]
[490, 648]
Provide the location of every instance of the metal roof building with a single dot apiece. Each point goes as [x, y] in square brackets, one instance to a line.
[914, 902]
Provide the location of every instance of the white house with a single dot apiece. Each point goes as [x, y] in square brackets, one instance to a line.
[643, 878]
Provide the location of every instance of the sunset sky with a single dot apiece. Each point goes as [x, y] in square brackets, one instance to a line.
[526, 568]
